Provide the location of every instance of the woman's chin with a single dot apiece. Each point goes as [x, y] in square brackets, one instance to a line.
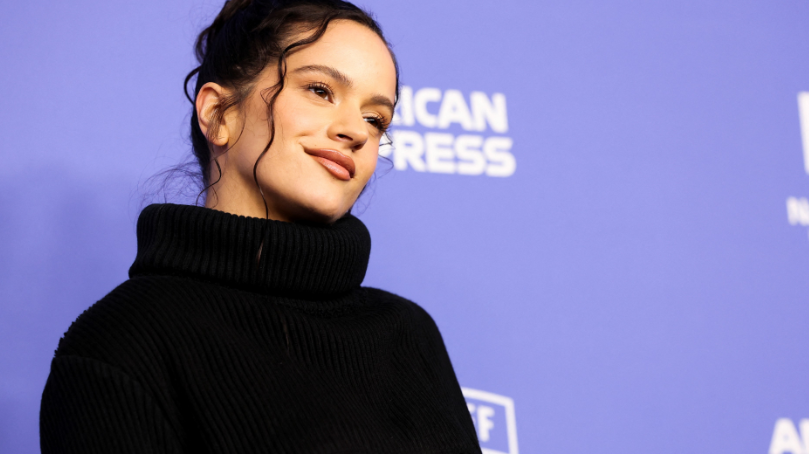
[321, 211]
[312, 201]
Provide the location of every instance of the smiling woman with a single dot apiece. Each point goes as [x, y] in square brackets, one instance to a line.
[336, 103]
[244, 326]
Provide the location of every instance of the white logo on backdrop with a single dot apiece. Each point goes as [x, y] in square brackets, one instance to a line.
[494, 419]
[785, 438]
[798, 207]
[803, 112]
[438, 151]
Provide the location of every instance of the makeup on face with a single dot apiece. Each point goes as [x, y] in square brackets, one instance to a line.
[338, 164]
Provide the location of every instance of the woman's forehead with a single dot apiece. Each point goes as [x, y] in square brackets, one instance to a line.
[355, 52]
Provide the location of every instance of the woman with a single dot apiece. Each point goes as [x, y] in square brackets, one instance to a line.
[243, 326]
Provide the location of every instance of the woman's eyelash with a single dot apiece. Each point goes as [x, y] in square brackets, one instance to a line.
[314, 86]
[380, 122]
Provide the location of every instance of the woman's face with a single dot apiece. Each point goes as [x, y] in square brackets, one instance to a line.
[329, 119]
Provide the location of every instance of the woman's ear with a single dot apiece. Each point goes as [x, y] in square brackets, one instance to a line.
[211, 121]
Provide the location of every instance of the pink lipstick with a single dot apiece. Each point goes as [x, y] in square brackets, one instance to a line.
[338, 164]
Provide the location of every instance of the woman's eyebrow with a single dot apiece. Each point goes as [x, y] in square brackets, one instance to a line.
[344, 80]
[382, 101]
[329, 71]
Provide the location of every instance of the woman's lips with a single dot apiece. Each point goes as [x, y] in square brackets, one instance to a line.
[338, 164]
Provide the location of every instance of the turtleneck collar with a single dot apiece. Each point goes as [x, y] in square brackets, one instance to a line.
[296, 260]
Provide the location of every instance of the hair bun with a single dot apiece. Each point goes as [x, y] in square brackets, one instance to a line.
[208, 36]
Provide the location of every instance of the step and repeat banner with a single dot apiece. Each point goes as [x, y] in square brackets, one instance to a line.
[603, 205]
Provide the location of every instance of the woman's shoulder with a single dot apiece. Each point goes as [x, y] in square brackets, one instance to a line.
[117, 353]
[128, 321]
[379, 296]
[408, 308]
[415, 329]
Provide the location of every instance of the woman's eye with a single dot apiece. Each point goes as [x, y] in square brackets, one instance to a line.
[320, 91]
[377, 122]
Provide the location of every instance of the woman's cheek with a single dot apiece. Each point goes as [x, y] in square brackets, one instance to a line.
[369, 160]
[302, 118]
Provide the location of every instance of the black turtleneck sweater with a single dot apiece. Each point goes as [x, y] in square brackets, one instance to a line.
[245, 335]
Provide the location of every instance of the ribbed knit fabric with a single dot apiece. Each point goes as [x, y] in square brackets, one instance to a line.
[244, 335]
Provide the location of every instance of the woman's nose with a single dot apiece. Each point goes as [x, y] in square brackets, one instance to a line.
[351, 129]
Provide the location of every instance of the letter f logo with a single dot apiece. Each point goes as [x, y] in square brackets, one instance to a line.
[803, 110]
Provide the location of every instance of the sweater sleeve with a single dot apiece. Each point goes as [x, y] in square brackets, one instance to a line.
[91, 407]
[444, 373]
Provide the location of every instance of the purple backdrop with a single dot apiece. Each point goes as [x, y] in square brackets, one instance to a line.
[602, 204]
